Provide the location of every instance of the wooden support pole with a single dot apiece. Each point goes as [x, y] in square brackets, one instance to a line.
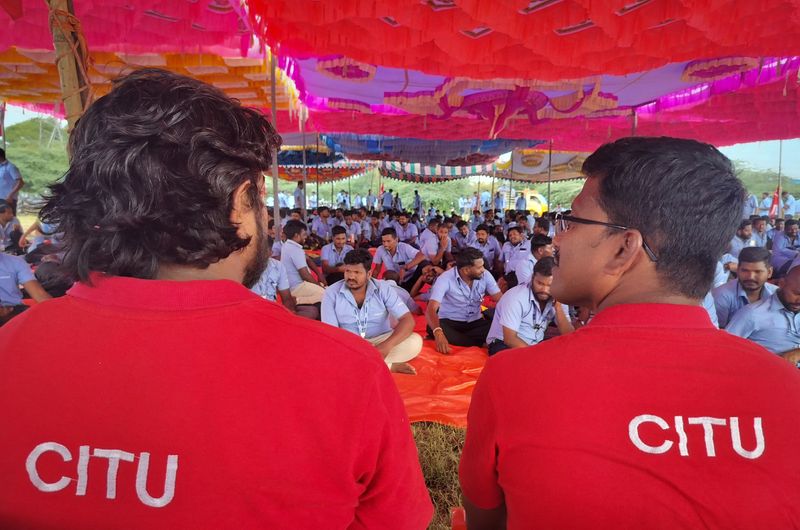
[276, 207]
[549, 173]
[305, 166]
[71, 59]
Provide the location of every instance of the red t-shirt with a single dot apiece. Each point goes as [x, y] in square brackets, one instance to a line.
[649, 417]
[167, 405]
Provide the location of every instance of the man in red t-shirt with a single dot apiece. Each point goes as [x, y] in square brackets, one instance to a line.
[647, 417]
[168, 395]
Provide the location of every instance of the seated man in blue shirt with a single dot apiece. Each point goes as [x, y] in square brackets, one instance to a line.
[541, 247]
[743, 238]
[787, 238]
[760, 235]
[10, 230]
[438, 250]
[363, 305]
[750, 285]
[13, 273]
[322, 225]
[524, 312]
[332, 255]
[399, 257]
[406, 232]
[774, 323]
[304, 286]
[454, 309]
[489, 247]
[464, 236]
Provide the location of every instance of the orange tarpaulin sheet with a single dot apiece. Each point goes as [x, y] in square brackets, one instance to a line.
[442, 389]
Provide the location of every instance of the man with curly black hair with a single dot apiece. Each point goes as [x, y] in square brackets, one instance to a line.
[170, 395]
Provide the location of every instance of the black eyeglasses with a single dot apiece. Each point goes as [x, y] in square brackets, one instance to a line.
[563, 221]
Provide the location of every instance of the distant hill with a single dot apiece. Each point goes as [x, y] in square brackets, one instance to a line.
[43, 161]
[40, 161]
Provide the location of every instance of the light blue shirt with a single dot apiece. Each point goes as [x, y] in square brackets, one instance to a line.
[457, 300]
[730, 298]
[293, 258]
[332, 256]
[9, 176]
[339, 308]
[520, 204]
[417, 202]
[476, 222]
[431, 246]
[405, 233]
[498, 203]
[737, 244]
[464, 241]
[370, 201]
[322, 228]
[299, 198]
[425, 236]
[519, 310]
[708, 305]
[7, 229]
[272, 280]
[760, 239]
[491, 251]
[277, 245]
[781, 241]
[388, 199]
[524, 269]
[513, 253]
[353, 229]
[404, 253]
[404, 295]
[750, 206]
[769, 324]
[13, 272]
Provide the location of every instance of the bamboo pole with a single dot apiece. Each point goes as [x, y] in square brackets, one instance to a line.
[276, 207]
[549, 173]
[305, 167]
[71, 58]
[316, 167]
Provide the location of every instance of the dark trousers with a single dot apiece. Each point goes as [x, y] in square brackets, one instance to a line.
[465, 333]
[497, 346]
[17, 309]
[409, 282]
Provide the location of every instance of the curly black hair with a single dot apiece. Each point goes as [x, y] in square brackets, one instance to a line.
[154, 166]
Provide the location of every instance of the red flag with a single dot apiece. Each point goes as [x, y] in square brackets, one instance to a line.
[776, 200]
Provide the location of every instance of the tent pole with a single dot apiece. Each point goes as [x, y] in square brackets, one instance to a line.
[549, 173]
[305, 166]
[276, 207]
[71, 58]
[494, 176]
[634, 121]
[780, 173]
[3, 125]
[316, 166]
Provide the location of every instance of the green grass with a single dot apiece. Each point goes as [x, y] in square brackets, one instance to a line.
[439, 448]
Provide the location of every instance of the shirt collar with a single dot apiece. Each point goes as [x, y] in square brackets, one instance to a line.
[121, 291]
[293, 242]
[653, 316]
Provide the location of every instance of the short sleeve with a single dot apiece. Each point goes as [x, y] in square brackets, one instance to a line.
[509, 311]
[478, 468]
[378, 256]
[396, 307]
[325, 254]
[328, 308]
[439, 289]
[741, 324]
[491, 285]
[524, 271]
[23, 270]
[298, 258]
[14, 172]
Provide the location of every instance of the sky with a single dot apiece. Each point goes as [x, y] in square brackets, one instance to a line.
[757, 155]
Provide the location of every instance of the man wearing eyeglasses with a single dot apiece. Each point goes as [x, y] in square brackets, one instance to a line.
[648, 406]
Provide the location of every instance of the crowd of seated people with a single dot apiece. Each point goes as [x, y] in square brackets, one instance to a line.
[160, 325]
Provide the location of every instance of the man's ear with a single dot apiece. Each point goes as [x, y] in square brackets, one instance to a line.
[242, 202]
[627, 250]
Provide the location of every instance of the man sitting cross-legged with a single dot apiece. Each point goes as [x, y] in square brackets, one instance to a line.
[332, 255]
[363, 305]
[400, 257]
[305, 288]
[524, 312]
[454, 309]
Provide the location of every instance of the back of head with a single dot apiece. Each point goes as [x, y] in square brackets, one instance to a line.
[682, 195]
[152, 176]
[544, 267]
[294, 228]
[467, 257]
